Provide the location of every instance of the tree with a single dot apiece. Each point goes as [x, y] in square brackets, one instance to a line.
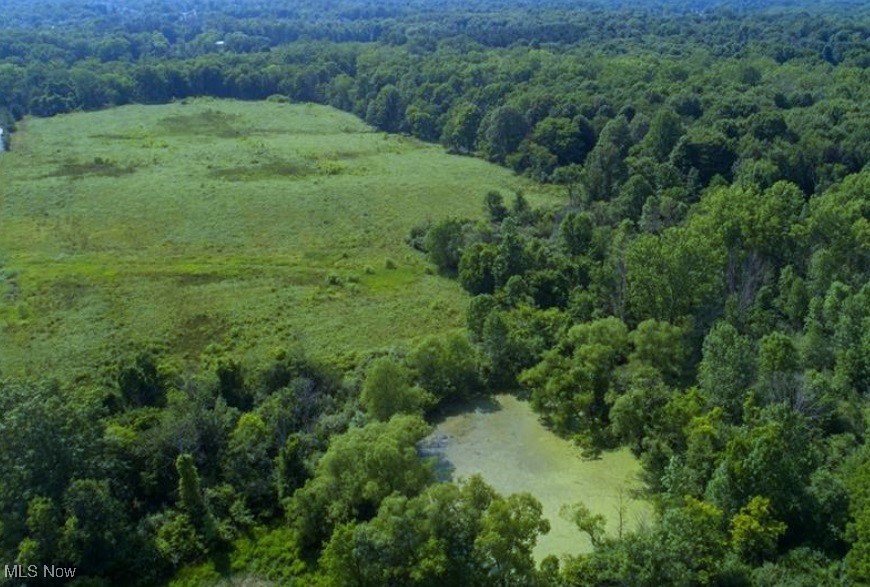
[799, 566]
[851, 337]
[495, 208]
[48, 438]
[672, 275]
[754, 532]
[248, 462]
[461, 127]
[836, 226]
[569, 384]
[43, 533]
[191, 500]
[509, 531]
[534, 159]
[520, 209]
[858, 557]
[664, 132]
[633, 194]
[794, 297]
[176, 539]
[419, 541]
[605, 168]
[707, 151]
[773, 458]
[387, 391]
[446, 366]
[444, 243]
[95, 534]
[639, 412]
[767, 126]
[727, 369]
[231, 383]
[778, 367]
[398, 546]
[502, 354]
[590, 524]
[291, 471]
[421, 123]
[694, 538]
[576, 232]
[510, 257]
[479, 308]
[359, 469]
[660, 345]
[386, 110]
[569, 140]
[140, 381]
[501, 132]
[476, 268]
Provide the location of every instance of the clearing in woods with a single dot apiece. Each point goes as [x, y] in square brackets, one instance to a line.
[223, 226]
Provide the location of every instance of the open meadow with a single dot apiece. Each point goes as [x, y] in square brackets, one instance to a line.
[222, 226]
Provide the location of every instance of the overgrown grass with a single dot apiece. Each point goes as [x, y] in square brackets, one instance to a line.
[246, 226]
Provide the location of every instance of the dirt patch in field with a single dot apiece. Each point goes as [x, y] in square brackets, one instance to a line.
[208, 122]
[98, 167]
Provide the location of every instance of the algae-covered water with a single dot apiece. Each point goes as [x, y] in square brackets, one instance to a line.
[503, 440]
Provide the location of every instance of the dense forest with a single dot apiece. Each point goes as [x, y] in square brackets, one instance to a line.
[701, 295]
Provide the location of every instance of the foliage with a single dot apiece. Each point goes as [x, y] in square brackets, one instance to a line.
[356, 473]
[699, 292]
[387, 391]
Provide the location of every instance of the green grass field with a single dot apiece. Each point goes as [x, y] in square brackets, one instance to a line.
[249, 226]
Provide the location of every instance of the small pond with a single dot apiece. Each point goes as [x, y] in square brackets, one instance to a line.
[503, 440]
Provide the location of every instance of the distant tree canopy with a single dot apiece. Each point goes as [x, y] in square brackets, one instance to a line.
[715, 107]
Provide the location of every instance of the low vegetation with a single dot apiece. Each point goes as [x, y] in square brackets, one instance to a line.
[222, 227]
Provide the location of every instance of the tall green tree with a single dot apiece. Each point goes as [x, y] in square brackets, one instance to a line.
[727, 369]
[387, 391]
[664, 132]
[501, 132]
[509, 531]
[461, 127]
[249, 462]
[386, 111]
[359, 469]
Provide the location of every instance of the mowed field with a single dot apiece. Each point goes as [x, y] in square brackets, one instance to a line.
[222, 226]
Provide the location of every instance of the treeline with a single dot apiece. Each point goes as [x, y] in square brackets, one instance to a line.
[747, 94]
